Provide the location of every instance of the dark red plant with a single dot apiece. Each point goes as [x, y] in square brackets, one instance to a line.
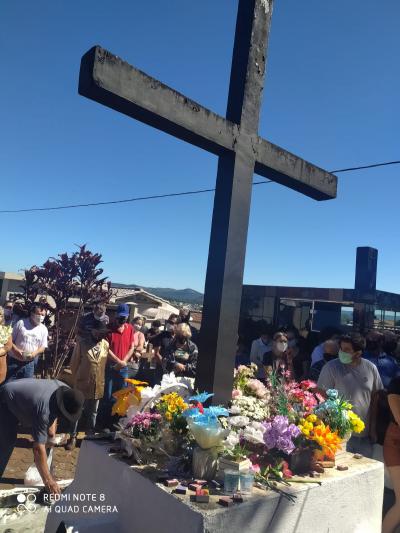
[70, 282]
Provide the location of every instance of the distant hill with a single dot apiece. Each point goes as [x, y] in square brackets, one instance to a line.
[187, 296]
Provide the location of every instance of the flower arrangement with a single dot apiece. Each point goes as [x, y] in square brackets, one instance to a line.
[280, 434]
[144, 426]
[312, 429]
[203, 422]
[337, 413]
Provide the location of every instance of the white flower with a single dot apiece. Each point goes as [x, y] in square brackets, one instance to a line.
[252, 435]
[231, 441]
[258, 426]
[238, 421]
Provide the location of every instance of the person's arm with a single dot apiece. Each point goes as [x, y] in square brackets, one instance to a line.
[112, 357]
[130, 352]
[394, 404]
[40, 457]
[38, 351]
[17, 353]
[6, 348]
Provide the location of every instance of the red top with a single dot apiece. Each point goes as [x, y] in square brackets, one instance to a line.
[120, 343]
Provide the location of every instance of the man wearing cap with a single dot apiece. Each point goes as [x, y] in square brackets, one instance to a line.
[35, 403]
[121, 341]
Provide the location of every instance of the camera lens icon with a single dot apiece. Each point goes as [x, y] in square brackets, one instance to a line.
[26, 502]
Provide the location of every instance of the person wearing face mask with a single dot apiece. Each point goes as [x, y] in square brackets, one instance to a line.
[121, 348]
[259, 348]
[92, 320]
[387, 366]
[181, 354]
[331, 349]
[88, 364]
[297, 353]
[29, 341]
[160, 344]
[9, 318]
[356, 379]
[140, 339]
[279, 358]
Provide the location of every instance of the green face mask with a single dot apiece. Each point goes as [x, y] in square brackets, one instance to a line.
[345, 358]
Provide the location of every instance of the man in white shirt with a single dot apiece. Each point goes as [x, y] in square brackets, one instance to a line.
[29, 341]
[259, 348]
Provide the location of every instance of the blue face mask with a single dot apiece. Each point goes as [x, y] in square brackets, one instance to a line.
[345, 358]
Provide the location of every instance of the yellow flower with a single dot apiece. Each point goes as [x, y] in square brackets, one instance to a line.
[312, 418]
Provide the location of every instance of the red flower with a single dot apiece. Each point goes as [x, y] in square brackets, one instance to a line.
[286, 470]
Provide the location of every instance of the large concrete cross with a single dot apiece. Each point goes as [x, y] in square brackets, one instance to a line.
[107, 79]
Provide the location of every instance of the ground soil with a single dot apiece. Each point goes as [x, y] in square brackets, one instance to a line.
[64, 463]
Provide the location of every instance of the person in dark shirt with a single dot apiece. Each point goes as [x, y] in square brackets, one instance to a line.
[35, 403]
[331, 350]
[160, 344]
[279, 359]
[181, 353]
[297, 352]
[96, 319]
[391, 454]
[154, 330]
[387, 366]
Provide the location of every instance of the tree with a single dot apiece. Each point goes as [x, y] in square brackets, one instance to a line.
[74, 279]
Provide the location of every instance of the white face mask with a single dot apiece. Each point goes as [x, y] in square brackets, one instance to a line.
[37, 319]
[281, 346]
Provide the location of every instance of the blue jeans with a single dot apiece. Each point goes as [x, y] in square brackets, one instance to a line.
[19, 369]
[114, 381]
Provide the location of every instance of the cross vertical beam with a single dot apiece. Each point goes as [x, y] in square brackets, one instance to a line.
[224, 279]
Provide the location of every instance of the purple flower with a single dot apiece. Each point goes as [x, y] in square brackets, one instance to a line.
[279, 434]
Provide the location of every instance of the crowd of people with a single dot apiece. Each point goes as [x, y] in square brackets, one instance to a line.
[364, 370]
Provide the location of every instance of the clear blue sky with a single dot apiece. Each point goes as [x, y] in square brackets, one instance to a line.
[332, 97]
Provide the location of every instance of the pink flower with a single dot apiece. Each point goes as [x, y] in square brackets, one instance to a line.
[236, 393]
[308, 384]
[255, 468]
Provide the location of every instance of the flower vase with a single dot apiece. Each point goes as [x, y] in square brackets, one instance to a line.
[205, 463]
[228, 464]
[325, 457]
[301, 460]
[343, 446]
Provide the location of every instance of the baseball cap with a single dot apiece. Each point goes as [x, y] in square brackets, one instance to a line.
[123, 310]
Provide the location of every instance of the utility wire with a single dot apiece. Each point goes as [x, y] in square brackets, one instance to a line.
[170, 195]
[366, 166]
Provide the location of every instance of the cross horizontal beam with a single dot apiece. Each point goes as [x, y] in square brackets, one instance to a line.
[114, 83]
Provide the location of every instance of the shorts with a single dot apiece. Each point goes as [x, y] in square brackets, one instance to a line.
[391, 446]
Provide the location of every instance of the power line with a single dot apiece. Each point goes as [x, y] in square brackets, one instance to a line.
[366, 166]
[170, 195]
